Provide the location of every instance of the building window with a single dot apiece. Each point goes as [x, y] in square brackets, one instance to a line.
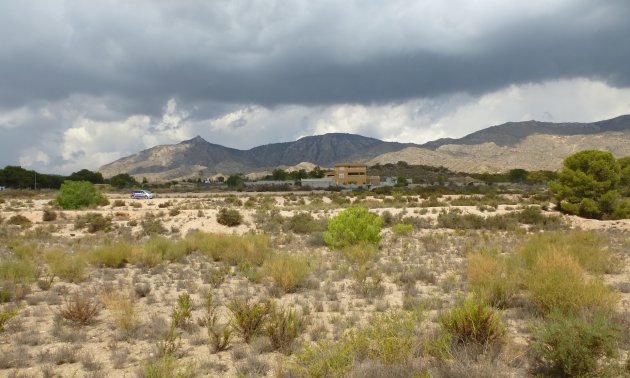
[341, 175]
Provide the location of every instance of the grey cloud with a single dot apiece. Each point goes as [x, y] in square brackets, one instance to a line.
[148, 52]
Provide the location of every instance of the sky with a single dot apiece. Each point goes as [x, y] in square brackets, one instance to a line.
[83, 83]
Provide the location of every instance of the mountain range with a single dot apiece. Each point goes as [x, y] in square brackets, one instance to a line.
[530, 145]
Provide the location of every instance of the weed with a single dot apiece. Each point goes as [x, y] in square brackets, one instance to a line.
[249, 317]
[49, 215]
[283, 327]
[220, 335]
[18, 271]
[152, 225]
[123, 309]
[118, 203]
[170, 343]
[111, 256]
[182, 313]
[304, 223]
[402, 229]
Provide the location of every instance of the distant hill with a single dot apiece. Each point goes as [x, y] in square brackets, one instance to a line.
[530, 145]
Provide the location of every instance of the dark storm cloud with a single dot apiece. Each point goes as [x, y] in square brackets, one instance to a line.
[143, 53]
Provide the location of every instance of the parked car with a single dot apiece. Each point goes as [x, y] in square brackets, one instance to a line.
[142, 194]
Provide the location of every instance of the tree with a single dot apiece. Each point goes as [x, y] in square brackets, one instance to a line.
[87, 175]
[279, 174]
[588, 186]
[123, 180]
[235, 181]
[624, 172]
[317, 172]
[79, 194]
[517, 175]
[354, 225]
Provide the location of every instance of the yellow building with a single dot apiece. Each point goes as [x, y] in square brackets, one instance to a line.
[348, 174]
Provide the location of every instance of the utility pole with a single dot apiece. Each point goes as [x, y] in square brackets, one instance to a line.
[35, 180]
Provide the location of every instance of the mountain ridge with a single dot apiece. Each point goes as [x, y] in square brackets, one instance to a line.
[196, 156]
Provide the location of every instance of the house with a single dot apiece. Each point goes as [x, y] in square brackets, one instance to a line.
[350, 174]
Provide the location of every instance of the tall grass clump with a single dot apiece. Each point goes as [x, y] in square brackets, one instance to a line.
[557, 282]
[18, 271]
[472, 322]
[242, 250]
[283, 328]
[492, 278]
[112, 256]
[588, 247]
[361, 253]
[288, 270]
[354, 225]
[122, 307]
[70, 267]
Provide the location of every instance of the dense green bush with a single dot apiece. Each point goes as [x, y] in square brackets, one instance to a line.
[575, 345]
[589, 185]
[353, 226]
[79, 194]
[304, 223]
[229, 217]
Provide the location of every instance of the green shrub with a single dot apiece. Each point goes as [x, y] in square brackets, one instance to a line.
[78, 195]
[20, 220]
[288, 270]
[94, 222]
[67, 266]
[249, 317]
[353, 226]
[575, 345]
[402, 229]
[283, 328]
[229, 217]
[472, 322]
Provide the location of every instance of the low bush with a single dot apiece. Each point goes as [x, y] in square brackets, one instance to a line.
[352, 226]
[93, 222]
[472, 322]
[80, 308]
[219, 335]
[229, 217]
[152, 225]
[118, 203]
[20, 220]
[288, 270]
[577, 345]
[49, 215]
[249, 317]
[388, 340]
[304, 223]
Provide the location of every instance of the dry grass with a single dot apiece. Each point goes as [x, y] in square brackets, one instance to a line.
[123, 308]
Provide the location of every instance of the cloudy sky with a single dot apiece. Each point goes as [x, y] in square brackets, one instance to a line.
[83, 83]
